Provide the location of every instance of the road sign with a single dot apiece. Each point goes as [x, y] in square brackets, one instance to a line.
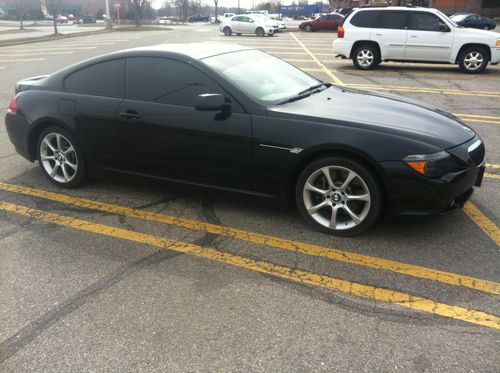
[118, 5]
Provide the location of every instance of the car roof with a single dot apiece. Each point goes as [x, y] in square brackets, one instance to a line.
[195, 51]
[405, 8]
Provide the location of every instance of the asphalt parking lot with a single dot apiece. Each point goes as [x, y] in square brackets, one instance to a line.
[127, 275]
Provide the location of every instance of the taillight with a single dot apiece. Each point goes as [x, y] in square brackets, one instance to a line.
[340, 32]
[13, 106]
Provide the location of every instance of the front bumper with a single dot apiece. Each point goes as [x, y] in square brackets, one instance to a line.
[411, 193]
[495, 56]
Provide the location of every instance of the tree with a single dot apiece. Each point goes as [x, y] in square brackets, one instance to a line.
[18, 6]
[216, 4]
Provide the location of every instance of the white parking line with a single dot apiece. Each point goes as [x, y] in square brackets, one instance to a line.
[23, 60]
[32, 54]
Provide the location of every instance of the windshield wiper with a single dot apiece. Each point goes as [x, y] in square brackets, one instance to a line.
[305, 93]
[311, 88]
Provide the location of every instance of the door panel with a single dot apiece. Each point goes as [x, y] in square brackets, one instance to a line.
[162, 134]
[425, 42]
[179, 142]
[391, 34]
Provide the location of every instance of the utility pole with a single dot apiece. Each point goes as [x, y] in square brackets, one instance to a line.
[239, 7]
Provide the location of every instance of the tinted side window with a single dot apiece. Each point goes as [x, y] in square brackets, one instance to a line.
[424, 22]
[367, 18]
[166, 81]
[101, 79]
[392, 20]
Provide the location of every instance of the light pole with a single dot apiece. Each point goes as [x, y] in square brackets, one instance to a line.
[107, 8]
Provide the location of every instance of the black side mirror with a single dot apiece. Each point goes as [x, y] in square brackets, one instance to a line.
[443, 28]
[210, 102]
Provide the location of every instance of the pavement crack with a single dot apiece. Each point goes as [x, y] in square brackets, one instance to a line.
[27, 334]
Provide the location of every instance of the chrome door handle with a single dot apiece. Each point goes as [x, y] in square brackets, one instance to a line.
[413, 36]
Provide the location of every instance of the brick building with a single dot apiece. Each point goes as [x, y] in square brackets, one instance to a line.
[489, 8]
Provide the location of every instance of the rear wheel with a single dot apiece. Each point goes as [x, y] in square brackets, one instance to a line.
[260, 31]
[339, 195]
[473, 60]
[366, 57]
[227, 31]
[308, 28]
[60, 157]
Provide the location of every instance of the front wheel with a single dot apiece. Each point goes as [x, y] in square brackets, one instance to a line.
[366, 57]
[60, 157]
[260, 31]
[339, 196]
[308, 28]
[473, 60]
[227, 31]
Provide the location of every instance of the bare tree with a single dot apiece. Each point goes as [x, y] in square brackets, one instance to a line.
[216, 4]
[19, 8]
[52, 6]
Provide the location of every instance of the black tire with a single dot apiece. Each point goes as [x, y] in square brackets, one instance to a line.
[308, 28]
[364, 184]
[260, 31]
[366, 57]
[238, 34]
[473, 52]
[227, 31]
[271, 34]
[72, 158]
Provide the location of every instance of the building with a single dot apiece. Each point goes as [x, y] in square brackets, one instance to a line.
[490, 8]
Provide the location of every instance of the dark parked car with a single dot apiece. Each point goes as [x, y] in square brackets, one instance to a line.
[474, 21]
[198, 18]
[324, 22]
[87, 19]
[238, 119]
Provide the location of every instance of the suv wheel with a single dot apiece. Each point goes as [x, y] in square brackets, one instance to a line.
[366, 57]
[339, 196]
[473, 60]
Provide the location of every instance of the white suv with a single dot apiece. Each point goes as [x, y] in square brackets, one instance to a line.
[247, 24]
[372, 35]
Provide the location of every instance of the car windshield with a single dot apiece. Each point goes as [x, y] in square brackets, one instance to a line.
[262, 76]
[453, 23]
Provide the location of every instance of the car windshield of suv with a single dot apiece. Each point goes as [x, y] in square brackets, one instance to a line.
[260, 75]
[442, 15]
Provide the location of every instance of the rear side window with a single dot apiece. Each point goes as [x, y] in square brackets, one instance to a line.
[101, 79]
[424, 22]
[366, 18]
[392, 20]
[166, 81]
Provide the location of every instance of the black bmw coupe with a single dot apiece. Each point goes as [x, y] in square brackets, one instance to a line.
[238, 119]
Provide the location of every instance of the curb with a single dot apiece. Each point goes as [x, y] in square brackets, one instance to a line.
[5, 43]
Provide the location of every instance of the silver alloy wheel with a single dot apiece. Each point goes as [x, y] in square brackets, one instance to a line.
[365, 57]
[473, 60]
[58, 157]
[336, 197]
[308, 28]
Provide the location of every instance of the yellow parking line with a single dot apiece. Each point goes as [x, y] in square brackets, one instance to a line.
[408, 74]
[493, 165]
[323, 67]
[475, 116]
[483, 222]
[292, 274]
[492, 176]
[480, 120]
[271, 241]
[425, 90]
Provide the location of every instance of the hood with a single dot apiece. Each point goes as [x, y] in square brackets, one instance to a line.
[380, 112]
[479, 35]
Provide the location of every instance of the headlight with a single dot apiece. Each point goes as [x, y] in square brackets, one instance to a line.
[497, 43]
[434, 165]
